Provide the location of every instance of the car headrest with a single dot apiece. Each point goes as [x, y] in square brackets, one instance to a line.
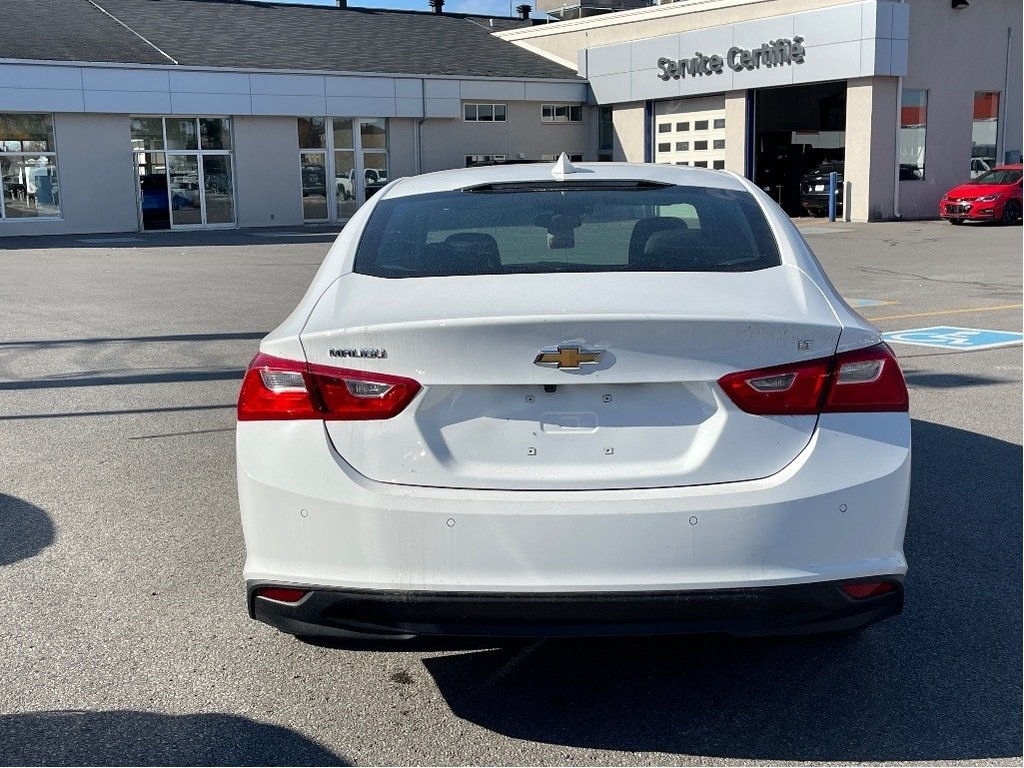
[644, 228]
[472, 253]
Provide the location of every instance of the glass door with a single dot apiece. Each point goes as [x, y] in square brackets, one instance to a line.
[314, 186]
[184, 191]
[345, 183]
[218, 191]
[153, 200]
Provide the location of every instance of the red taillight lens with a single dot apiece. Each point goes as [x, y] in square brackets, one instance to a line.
[868, 589]
[351, 395]
[864, 380]
[283, 594]
[279, 389]
[867, 380]
[782, 390]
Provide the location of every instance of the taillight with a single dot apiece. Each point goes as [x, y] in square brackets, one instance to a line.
[867, 380]
[863, 380]
[279, 389]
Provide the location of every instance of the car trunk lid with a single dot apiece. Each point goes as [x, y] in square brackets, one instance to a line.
[510, 401]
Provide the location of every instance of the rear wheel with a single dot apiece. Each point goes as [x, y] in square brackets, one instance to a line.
[1011, 213]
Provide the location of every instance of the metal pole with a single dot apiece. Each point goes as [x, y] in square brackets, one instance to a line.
[833, 180]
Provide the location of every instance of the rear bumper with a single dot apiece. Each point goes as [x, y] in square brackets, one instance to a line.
[750, 557]
[780, 610]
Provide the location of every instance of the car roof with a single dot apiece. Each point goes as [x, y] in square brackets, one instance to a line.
[447, 181]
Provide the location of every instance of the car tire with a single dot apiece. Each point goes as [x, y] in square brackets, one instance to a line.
[1011, 213]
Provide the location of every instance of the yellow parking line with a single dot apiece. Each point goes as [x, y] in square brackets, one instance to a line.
[947, 312]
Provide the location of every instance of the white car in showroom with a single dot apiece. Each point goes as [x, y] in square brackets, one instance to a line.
[536, 400]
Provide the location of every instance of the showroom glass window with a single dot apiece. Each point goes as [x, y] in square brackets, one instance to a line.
[343, 161]
[29, 186]
[984, 132]
[185, 171]
[913, 128]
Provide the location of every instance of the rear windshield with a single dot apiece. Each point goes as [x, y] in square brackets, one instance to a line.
[505, 229]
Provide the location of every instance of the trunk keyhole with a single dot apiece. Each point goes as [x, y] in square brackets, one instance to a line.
[549, 388]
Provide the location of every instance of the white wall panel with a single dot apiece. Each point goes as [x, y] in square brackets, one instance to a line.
[442, 89]
[360, 106]
[211, 104]
[614, 89]
[548, 92]
[900, 21]
[287, 85]
[36, 76]
[48, 100]
[639, 84]
[750, 34]
[491, 90]
[288, 105]
[375, 87]
[840, 25]
[96, 79]
[875, 56]
[408, 88]
[875, 18]
[899, 60]
[408, 108]
[693, 86]
[608, 60]
[126, 102]
[209, 82]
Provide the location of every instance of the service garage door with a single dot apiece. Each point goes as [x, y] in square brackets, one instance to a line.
[690, 132]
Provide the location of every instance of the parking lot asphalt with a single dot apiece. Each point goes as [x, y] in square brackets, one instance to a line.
[125, 638]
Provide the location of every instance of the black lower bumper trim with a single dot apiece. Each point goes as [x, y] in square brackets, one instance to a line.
[787, 609]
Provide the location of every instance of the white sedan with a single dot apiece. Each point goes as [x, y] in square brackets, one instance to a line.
[535, 400]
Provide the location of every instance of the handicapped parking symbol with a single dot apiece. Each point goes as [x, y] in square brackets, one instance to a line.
[952, 337]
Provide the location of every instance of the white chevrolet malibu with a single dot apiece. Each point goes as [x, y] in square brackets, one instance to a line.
[545, 400]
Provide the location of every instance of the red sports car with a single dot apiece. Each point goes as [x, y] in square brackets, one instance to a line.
[993, 196]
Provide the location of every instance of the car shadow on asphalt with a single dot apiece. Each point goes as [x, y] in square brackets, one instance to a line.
[25, 530]
[933, 380]
[940, 682]
[123, 737]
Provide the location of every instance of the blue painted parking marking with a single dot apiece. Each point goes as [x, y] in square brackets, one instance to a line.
[952, 337]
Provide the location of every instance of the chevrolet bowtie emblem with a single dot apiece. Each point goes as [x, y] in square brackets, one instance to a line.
[568, 358]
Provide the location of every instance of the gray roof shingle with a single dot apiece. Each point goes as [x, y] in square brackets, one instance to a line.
[252, 35]
[67, 30]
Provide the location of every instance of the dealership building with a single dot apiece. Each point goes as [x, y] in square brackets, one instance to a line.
[128, 115]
